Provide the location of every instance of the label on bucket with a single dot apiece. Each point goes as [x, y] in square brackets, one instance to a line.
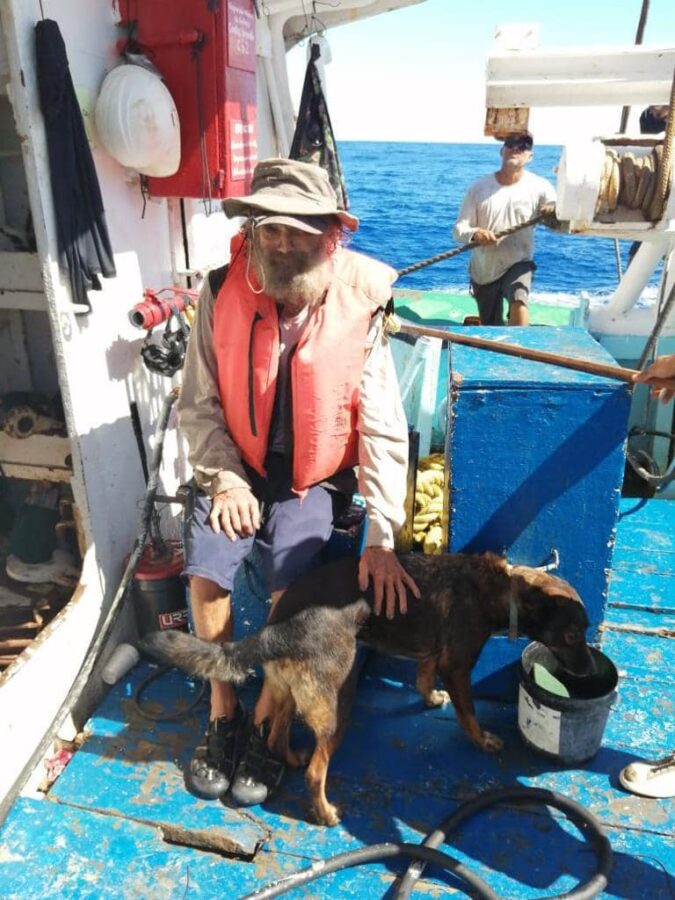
[177, 618]
[539, 724]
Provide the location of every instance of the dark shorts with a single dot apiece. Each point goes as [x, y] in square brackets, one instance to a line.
[514, 285]
[291, 536]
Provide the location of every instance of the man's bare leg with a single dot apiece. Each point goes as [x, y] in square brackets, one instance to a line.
[214, 760]
[519, 314]
[212, 616]
[260, 770]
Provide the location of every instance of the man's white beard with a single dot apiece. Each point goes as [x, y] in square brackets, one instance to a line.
[294, 279]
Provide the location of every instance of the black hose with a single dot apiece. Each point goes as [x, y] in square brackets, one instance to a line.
[113, 612]
[374, 853]
[425, 853]
[582, 818]
[172, 715]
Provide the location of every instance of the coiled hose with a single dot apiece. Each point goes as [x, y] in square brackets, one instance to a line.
[424, 853]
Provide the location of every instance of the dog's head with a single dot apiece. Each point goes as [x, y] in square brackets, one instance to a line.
[550, 611]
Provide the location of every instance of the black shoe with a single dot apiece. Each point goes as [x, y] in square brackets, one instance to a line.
[259, 772]
[215, 758]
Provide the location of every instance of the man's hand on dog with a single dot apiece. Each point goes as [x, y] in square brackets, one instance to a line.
[236, 511]
[390, 580]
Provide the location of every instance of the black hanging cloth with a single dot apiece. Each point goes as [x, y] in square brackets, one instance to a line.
[313, 140]
[84, 244]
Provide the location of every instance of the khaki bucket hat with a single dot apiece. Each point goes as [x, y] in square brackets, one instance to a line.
[285, 189]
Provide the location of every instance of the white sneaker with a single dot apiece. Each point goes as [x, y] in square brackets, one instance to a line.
[655, 779]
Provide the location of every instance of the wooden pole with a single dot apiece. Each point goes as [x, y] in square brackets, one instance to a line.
[543, 356]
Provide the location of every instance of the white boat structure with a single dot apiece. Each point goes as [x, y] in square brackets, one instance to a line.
[111, 402]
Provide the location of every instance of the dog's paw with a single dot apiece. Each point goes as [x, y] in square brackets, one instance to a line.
[328, 815]
[436, 698]
[490, 743]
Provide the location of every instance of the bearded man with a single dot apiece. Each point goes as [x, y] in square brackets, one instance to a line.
[288, 386]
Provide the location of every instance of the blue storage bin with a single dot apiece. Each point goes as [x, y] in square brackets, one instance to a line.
[537, 456]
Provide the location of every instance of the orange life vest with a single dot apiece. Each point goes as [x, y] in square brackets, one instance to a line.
[326, 366]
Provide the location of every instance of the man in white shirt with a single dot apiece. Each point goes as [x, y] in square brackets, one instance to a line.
[501, 269]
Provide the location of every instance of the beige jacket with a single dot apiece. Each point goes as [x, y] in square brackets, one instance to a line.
[383, 431]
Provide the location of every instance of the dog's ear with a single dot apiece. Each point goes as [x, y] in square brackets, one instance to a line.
[542, 596]
[548, 585]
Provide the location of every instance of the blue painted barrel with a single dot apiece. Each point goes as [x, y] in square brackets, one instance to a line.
[566, 729]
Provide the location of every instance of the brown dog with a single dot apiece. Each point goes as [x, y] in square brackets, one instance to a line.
[309, 644]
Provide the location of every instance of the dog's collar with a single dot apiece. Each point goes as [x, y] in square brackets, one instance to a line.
[513, 618]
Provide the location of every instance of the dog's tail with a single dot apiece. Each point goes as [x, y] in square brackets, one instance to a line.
[203, 659]
[310, 632]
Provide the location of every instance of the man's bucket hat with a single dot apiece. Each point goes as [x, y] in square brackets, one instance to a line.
[289, 192]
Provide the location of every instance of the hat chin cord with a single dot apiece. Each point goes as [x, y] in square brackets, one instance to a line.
[247, 274]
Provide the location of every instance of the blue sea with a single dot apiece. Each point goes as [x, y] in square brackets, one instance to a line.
[408, 195]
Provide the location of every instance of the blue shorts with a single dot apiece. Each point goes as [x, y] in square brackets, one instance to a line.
[290, 539]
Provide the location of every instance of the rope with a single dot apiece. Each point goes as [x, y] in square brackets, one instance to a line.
[545, 215]
[635, 181]
[661, 320]
[654, 478]
[667, 162]
[639, 181]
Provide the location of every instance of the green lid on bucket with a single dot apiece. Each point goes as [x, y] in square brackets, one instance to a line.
[547, 681]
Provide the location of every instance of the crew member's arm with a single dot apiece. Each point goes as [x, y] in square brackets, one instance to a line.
[383, 467]
[215, 459]
[466, 227]
[660, 376]
[548, 195]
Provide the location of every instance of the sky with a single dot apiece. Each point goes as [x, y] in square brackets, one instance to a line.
[418, 74]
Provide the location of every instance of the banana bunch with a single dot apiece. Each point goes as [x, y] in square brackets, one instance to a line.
[427, 524]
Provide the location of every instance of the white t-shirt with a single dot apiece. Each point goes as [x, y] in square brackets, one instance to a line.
[493, 206]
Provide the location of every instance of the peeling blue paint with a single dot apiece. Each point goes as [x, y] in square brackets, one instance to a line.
[399, 771]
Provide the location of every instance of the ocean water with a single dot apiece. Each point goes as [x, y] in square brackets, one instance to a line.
[408, 196]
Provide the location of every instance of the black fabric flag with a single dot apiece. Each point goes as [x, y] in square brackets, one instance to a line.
[313, 140]
[84, 244]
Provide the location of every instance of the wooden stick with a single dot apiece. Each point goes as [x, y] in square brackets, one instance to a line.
[555, 359]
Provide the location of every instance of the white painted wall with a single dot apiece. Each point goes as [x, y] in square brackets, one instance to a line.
[98, 363]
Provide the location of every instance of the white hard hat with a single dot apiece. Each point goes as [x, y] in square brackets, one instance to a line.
[137, 121]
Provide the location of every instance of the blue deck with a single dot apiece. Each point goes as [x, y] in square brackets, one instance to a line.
[118, 822]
